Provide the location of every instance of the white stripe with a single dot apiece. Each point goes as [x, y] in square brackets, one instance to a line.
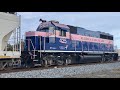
[74, 51]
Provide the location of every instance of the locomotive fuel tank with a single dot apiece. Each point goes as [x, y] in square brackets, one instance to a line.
[90, 58]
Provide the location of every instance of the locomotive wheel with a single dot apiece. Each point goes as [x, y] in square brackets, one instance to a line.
[44, 63]
[102, 59]
[68, 60]
[48, 60]
[60, 59]
[60, 62]
[111, 59]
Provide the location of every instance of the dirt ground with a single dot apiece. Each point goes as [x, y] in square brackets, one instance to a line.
[115, 73]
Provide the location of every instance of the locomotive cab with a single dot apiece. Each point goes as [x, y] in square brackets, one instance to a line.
[52, 36]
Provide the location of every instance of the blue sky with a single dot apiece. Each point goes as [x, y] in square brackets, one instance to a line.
[97, 21]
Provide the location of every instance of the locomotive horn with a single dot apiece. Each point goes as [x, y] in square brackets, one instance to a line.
[42, 20]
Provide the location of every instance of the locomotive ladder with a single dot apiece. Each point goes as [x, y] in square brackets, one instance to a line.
[34, 55]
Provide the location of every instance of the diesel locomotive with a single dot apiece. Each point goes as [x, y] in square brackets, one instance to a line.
[59, 44]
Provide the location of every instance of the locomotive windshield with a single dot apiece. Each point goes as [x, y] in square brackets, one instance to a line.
[44, 29]
[49, 29]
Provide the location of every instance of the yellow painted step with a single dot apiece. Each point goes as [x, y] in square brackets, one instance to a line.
[5, 57]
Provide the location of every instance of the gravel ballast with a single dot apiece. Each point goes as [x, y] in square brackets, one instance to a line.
[61, 72]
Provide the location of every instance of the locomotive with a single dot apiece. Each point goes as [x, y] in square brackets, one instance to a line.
[59, 44]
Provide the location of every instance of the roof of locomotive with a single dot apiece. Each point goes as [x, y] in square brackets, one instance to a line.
[68, 27]
[96, 32]
[51, 23]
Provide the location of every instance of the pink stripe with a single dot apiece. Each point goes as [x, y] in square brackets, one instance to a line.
[73, 37]
[90, 39]
[57, 33]
[68, 35]
[30, 33]
[34, 33]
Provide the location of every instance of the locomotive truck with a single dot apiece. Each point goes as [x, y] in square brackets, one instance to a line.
[58, 44]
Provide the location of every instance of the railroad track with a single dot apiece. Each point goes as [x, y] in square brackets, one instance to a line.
[9, 70]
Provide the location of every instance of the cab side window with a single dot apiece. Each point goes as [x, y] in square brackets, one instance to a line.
[63, 33]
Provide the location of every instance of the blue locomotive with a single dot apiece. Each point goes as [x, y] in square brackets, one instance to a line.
[59, 44]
